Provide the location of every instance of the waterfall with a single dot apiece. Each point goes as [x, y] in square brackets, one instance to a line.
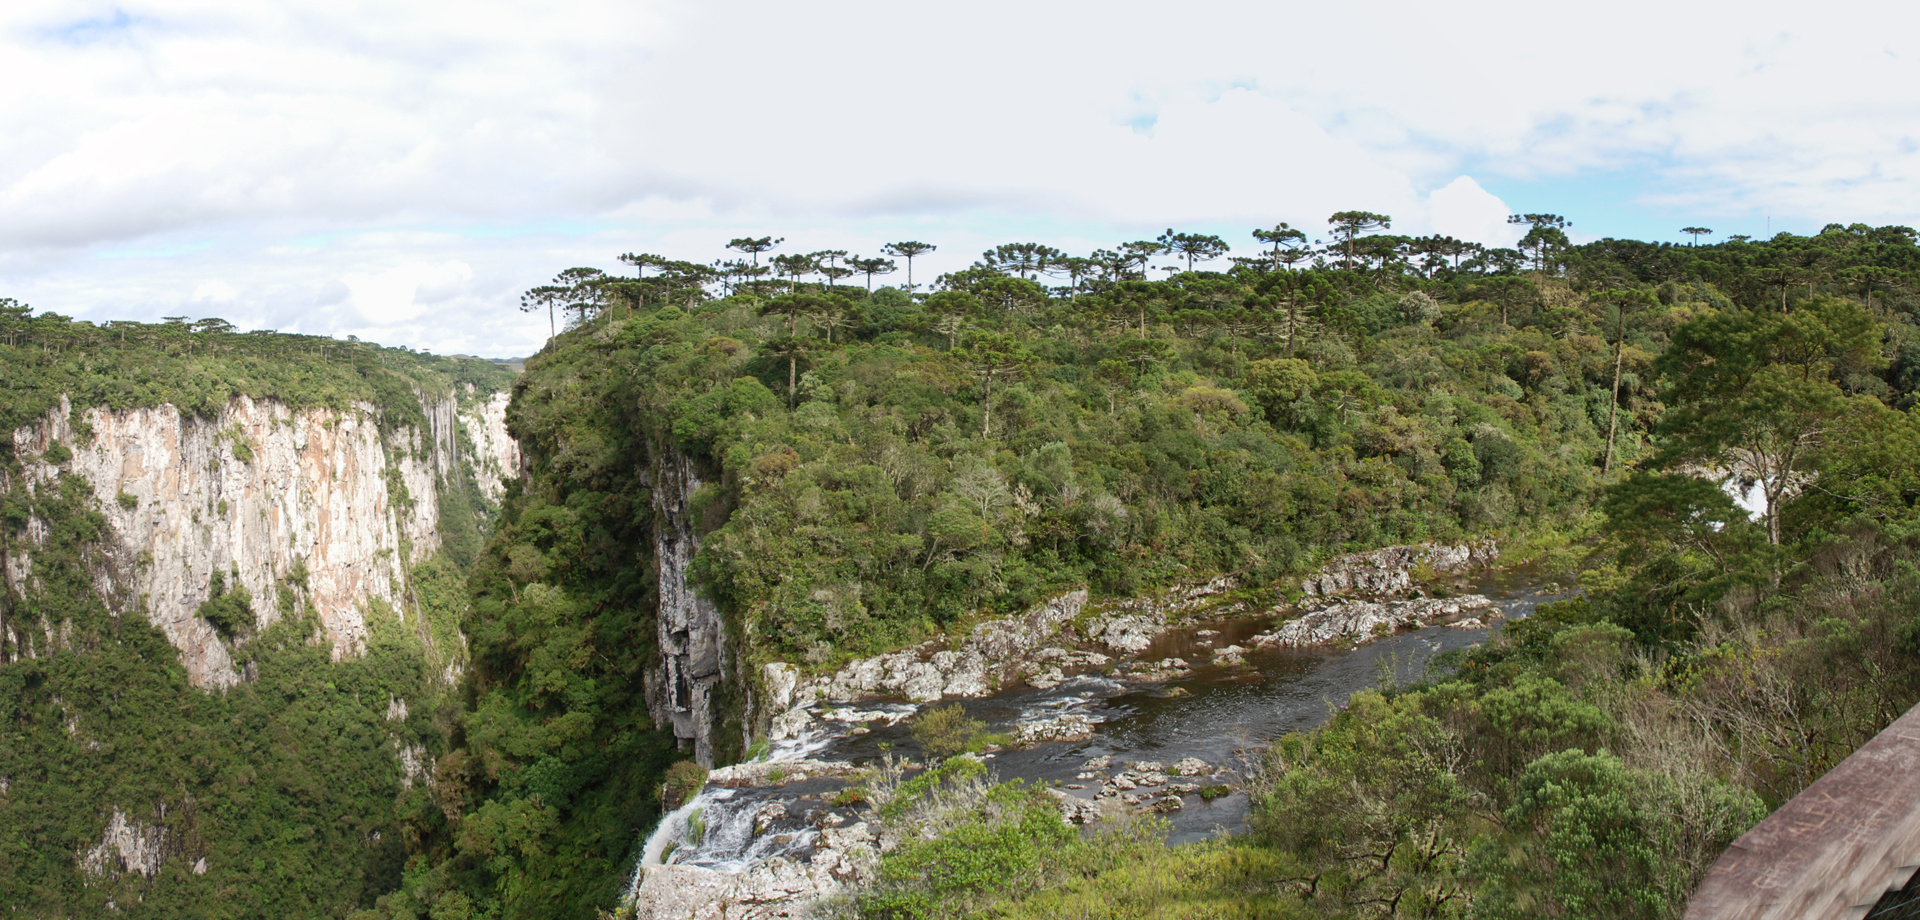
[728, 843]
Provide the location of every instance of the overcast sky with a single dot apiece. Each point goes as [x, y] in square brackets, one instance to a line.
[401, 171]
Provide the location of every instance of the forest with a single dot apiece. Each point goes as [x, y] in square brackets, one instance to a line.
[885, 464]
[281, 796]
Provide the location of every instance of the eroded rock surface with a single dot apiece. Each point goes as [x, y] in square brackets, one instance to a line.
[1391, 570]
[1364, 620]
[260, 493]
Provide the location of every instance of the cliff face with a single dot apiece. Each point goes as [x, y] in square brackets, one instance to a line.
[264, 495]
[683, 689]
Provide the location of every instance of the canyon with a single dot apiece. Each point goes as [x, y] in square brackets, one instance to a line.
[322, 503]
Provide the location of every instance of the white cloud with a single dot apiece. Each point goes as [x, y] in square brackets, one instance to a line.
[403, 292]
[214, 292]
[1463, 209]
[328, 161]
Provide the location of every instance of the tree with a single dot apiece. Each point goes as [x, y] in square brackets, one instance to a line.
[1696, 233]
[951, 309]
[793, 266]
[1755, 395]
[576, 289]
[1113, 264]
[907, 250]
[755, 245]
[1141, 251]
[640, 261]
[990, 356]
[1621, 303]
[827, 263]
[1545, 237]
[1145, 353]
[1075, 268]
[1023, 259]
[1289, 245]
[871, 267]
[830, 313]
[1192, 246]
[790, 347]
[1347, 225]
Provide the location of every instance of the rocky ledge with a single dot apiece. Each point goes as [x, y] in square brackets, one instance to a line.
[1359, 621]
[1354, 597]
[777, 887]
[1395, 570]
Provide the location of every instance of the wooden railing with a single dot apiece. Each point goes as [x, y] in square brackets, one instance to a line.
[1834, 850]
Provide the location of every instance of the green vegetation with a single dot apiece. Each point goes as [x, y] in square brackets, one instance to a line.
[944, 731]
[290, 794]
[1593, 760]
[230, 613]
[879, 467]
[683, 782]
[201, 366]
[288, 785]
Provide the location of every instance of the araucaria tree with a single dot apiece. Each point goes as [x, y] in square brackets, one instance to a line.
[907, 250]
[1193, 247]
[1348, 225]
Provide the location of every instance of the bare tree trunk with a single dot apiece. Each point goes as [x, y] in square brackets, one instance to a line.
[1613, 408]
[986, 407]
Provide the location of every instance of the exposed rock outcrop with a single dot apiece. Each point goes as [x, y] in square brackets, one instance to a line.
[1363, 620]
[778, 888]
[1392, 570]
[126, 847]
[265, 495]
[683, 687]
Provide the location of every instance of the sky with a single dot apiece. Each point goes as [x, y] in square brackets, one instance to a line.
[401, 172]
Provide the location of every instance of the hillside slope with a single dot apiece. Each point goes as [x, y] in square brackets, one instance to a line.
[233, 581]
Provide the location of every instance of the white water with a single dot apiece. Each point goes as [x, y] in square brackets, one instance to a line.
[728, 844]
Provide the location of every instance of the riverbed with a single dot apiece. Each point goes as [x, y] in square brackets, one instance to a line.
[1217, 713]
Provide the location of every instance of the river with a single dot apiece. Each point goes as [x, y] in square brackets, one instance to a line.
[1218, 714]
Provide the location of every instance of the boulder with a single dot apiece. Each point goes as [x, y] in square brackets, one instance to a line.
[1389, 570]
[1130, 635]
[1363, 620]
[782, 681]
[1076, 810]
[1068, 727]
[1191, 766]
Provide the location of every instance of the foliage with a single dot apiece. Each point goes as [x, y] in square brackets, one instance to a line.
[200, 367]
[293, 793]
[944, 731]
[229, 612]
[288, 786]
[683, 781]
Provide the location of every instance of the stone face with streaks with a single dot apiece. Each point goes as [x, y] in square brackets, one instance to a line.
[1389, 570]
[255, 493]
[1364, 620]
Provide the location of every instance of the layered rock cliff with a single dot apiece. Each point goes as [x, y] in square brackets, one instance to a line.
[321, 505]
[683, 688]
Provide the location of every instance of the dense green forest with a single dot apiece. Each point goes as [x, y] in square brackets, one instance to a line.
[882, 464]
[283, 796]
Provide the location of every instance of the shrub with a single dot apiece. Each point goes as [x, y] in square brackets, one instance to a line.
[944, 731]
[230, 613]
[683, 781]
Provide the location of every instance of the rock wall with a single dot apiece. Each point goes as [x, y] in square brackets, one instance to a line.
[683, 687]
[261, 490]
[1395, 570]
[497, 454]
